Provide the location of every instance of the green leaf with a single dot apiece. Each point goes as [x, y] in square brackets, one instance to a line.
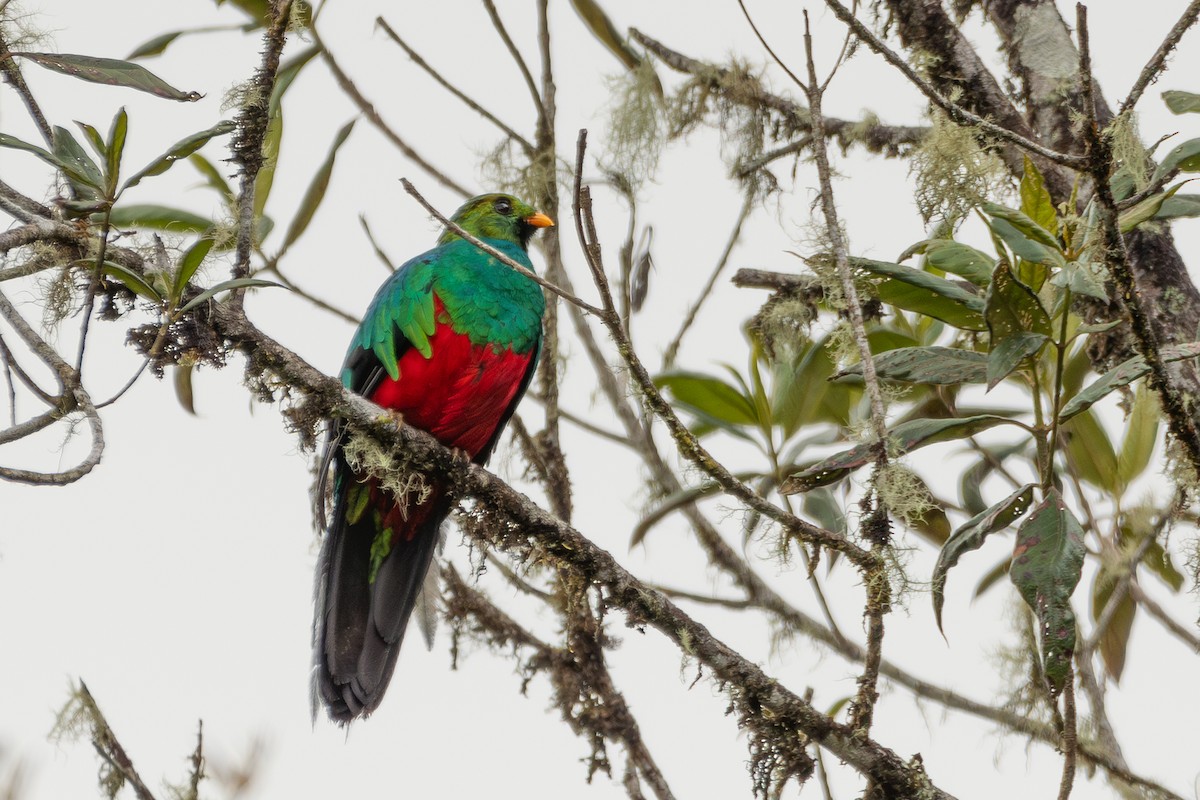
[183, 388]
[1010, 352]
[1141, 434]
[288, 71]
[1024, 247]
[181, 149]
[213, 177]
[605, 31]
[1012, 307]
[225, 286]
[266, 174]
[1184, 156]
[82, 171]
[189, 262]
[710, 397]
[971, 536]
[1047, 561]
[110, 71]
[1036, 203]
[1082, 277]
[1124, 374]
[1147, 209]
[1023, 223]
[959, 259]
[904, 438]
[1114, 641]
[45, 155]
[115, 149]
[1180, 205]
[931, 365]
[94, 139]
[1181, 102]
[131, 281]
[155, 217]
[316, 190]
[1090, 452]
[916, 290]
[155, 47]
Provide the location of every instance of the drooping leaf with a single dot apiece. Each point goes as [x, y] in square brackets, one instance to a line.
[1114, 641]
[1006, 356]
[111, 71]
[225, 286]
[1141, 434]
[181, 149]
[45, 155]
[1036, 202]
[155, 47]
[156, 217]
[1081, 277]
[1047, 561]
[931, 365]
[1012, 307]
[1181, 102]
[1184, 156]
[316, 190]
[1090, 452]
[971, 537]
[213, 177]
[959, 259]
[904, 438]
[709, 396]
[1124, 374]
[183, 388]
[605, 31]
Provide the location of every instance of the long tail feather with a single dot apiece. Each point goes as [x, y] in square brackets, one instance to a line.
[361, 617]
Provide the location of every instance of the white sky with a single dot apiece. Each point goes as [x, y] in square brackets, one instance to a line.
[176, 579]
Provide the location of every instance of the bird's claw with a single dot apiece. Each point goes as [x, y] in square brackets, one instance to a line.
[460, 457]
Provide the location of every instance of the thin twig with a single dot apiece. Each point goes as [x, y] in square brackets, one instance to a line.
[1151, 607]
[454, 90]
[1157, 61]
[686, 442]
[673, 348]
[496, 254]
[956, 112]
[517, 58]
[1069, 737]
[12, 74]
[368, 109]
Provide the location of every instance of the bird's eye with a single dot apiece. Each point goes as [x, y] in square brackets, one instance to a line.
[502, 206]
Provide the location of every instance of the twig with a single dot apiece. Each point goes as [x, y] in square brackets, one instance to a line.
[673, 348]
[1151, 607]
[956, 112]
[369, 111]
[454, 90]
[1069, 737]
[109, 748]
[766, 46]
[247, 144]
[12, 74]
[1155, 65]
[496, 254]
[686, 442]
[517, 58]
[1099, 164]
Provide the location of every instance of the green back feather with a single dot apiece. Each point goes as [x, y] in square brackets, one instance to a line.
[484, 299]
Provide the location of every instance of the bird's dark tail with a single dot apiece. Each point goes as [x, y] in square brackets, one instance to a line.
[372, 569]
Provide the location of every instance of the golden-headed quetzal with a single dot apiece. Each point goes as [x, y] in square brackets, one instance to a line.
[450, 343]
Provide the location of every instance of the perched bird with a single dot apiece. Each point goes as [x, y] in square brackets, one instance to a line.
[450, 343]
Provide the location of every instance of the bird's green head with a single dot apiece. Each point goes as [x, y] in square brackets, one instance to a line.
[497, 216]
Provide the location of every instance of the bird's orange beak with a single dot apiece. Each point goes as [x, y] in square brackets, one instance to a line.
[539, 220]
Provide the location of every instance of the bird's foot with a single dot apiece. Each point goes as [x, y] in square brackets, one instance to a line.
[460, 457]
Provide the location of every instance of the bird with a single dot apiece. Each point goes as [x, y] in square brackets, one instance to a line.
[450, 343]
